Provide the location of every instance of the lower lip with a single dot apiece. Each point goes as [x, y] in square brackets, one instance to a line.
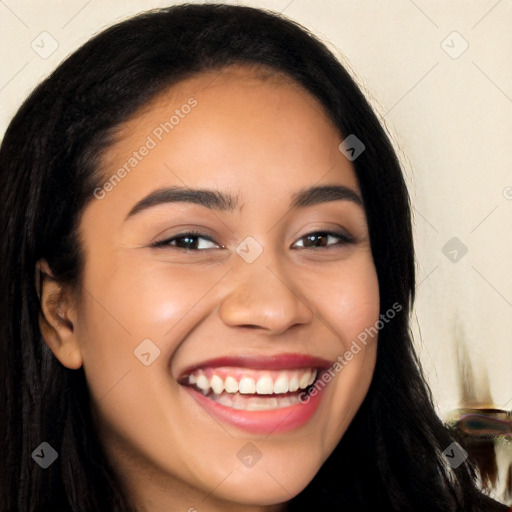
[262, 422]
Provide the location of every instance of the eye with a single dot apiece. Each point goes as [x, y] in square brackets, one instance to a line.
[188, 241]
[191, 240]
[324, 239]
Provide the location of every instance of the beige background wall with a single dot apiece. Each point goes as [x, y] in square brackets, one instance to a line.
[449, 109]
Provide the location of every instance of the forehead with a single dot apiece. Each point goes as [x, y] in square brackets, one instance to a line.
[238, 125]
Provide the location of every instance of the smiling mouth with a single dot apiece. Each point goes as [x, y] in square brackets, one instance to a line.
[258, 394]
[252, 390]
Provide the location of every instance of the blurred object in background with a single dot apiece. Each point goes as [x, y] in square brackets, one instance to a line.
[484, 430]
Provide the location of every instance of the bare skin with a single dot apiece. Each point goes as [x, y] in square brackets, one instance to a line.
[261, 141]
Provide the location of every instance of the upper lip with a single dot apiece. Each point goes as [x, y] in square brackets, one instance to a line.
[273, 362]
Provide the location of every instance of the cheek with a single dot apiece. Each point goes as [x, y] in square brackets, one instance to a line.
[121, 310]
[349, 307]
[348, 298]
[126, 305]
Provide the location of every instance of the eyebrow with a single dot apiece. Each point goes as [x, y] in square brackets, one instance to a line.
[217, 200]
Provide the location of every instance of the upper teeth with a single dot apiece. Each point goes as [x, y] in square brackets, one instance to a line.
[240, 380]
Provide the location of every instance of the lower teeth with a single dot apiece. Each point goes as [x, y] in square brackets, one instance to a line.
[255, 403]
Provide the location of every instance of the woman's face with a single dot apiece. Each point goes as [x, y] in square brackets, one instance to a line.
[277, 285]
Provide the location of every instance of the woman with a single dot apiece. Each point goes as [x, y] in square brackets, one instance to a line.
[206, 231]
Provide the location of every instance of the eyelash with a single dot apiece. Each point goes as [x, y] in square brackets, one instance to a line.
[345, 238]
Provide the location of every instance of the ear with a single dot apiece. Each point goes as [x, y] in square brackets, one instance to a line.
[57, 318]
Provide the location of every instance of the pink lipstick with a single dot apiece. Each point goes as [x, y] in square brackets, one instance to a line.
[257, 394]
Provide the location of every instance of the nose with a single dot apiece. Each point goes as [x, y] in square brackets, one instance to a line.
[263, 297]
